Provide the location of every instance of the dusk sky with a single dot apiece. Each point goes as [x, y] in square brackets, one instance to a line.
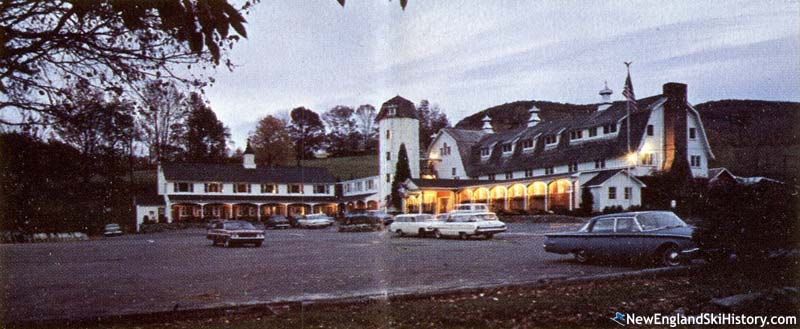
[470, 55]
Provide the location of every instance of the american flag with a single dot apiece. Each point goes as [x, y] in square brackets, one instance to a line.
[627, 91]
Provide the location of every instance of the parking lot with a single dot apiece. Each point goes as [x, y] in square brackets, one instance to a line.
[181, 269]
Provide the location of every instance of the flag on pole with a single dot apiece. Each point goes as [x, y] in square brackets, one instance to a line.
[627, 91]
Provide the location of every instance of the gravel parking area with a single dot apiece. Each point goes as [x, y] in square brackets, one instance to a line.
[180, 269]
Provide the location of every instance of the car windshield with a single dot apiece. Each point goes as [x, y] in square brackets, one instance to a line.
[486, 217]
[279, 219]
[239, 226]
[316, 216]
[657, 220]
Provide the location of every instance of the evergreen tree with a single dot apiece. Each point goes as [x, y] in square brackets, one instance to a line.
[402, 172]
[587, 201]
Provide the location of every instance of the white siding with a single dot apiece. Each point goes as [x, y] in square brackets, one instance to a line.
[696, 147]
[445, 166]
[620, 181]
[403, 131]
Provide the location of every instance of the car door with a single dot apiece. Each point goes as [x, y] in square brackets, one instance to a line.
[627, 241]
[601, 237]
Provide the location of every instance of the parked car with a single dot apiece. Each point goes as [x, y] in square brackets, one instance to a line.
[277, 222]
[112, 230]
[658, 235]
[385, 218]
[413, 224]
[360, 223]
[469, 208]
[315, 221]
[465, 225]
[213, 223]
[233, 232]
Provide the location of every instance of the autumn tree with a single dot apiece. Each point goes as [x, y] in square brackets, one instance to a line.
[307, 132]
[271, 142]
[431, 120]
[163, 113]
[365, 119]
[113, 45]
[343, 137]
[206, 137]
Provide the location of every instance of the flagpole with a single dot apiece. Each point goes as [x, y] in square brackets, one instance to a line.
[628, 126]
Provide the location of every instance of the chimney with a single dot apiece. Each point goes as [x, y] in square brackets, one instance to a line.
[605, 93]
[675, 129]
[249, 158]
[534, 116]
[487, 124]
[675, 91]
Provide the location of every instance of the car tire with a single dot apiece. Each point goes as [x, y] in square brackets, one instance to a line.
[400, 233]
[669, 256]
[421, 233]
[437, 234]
[581, 256]
[227, 243]
[463, 236]
[258, 244]
[488, 236]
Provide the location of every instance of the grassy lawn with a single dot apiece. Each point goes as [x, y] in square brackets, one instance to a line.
[560, 306]
[347, 167]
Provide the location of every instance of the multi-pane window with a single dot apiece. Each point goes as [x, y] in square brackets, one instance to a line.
[696, 161]
[388, 156]
[320, 189]
[370, 184]
[573, 167]
[507, 148]
[549, 170]
[576, 134]
[592, 131]
[528, 173]
[184, 187]
[388, 134]
[269, 188]
[650, 130]
[388, 178]
[295, 188]
[550, 139]
[509, 175]
[491, 177]
[599, 163]
[610, 128]
[213, 187]
[453, 171]
[692, 133]
[445, 150]
[647, 159]
[359, 186]
[527, 144]
[612, 193]
[241, 188]
[628, 192]
[485, 151]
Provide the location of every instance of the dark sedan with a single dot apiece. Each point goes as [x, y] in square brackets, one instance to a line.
[658, 235]
[277, 222]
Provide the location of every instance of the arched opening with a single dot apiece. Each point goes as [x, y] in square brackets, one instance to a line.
[326, 208]
[372, 205]
[559, 194]
[497, 197]
[272, 209]
[536, 196]
[412, 204]
[351, 206]
[361, 205]
[245, 211]
[186, 212]
[297, 209]
[465, 196]
[516, 197]
[481, 195]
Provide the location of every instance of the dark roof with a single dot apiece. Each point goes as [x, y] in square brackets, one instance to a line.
[564, 152]
[250, 198]
[446, 183]
[465, 139]
[149, 200]
[602, 177]
[404, 109]
[236, 173]
[248, 149]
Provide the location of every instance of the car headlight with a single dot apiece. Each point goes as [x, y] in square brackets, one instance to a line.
[260, 236]
[235, 236]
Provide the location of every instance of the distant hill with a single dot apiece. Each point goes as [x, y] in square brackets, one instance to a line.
[754, 138]
[346, 168]
[749, 137]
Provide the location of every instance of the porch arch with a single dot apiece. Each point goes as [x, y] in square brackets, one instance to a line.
[537, 196]
[245, 211]
[497, 196]
[516, 197]
[465, 196]
[325, 208]
[271, 209]
[481, 195]
[298, 209]
[560, 194]
[186, 211]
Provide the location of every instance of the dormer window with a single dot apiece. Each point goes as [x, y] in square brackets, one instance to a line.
[550, 139]
[575, 134]
[573, 167]
[213, 187]
[509, 175]
[491, 177]
[507, 148]
[610, 128]
[184, 187]
[527, 144]
[692, 133]
[592, 132]
[528, 173]
[391, 110]
[241, 188]
[485, 152]
[549, 170]
[599, 163]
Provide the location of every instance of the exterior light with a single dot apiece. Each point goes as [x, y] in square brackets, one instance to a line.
[632, 157]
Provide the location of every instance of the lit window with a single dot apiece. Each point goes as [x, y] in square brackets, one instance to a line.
[269, 188]
[647, 159]
[692, 133]
[650, 130]
[241, 188]
[612, 193]
[213, 187]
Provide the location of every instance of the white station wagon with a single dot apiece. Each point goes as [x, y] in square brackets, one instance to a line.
[466, 225]
[413, 224]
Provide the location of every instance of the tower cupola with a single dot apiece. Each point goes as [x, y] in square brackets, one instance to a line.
[605, 94]
[534, 116]
[249, 158]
